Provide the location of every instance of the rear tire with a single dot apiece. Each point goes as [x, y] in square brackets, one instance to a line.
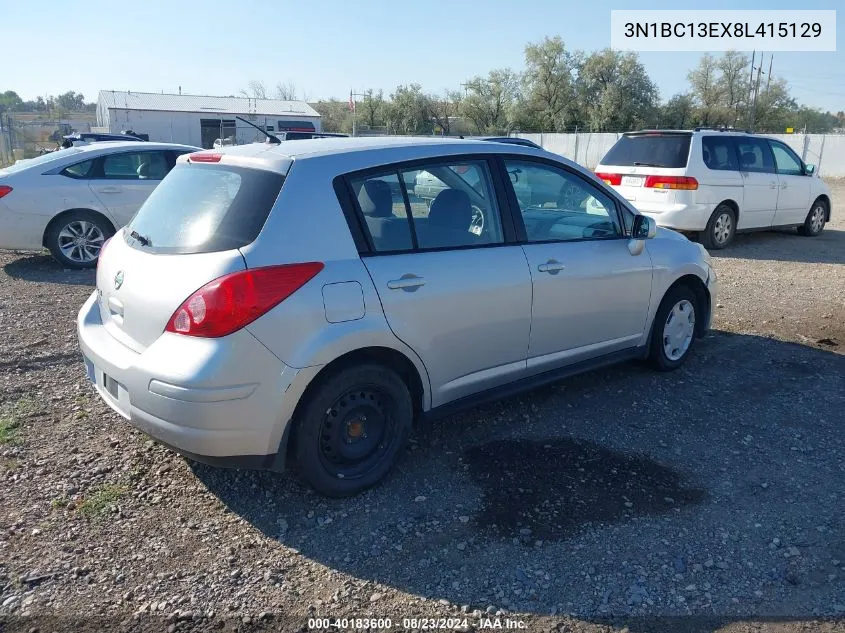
[351, 430]
[674, 328]
[721, 228]
[816, 217]
[75, 238]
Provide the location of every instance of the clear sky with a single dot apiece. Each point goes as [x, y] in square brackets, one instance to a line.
[326, 47]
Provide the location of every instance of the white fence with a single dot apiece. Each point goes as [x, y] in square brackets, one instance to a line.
[826, 151]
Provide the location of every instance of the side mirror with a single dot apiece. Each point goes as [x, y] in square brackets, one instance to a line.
[645, 228]
[809, 170]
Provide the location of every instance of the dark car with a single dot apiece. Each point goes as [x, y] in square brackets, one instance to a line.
[93, 137]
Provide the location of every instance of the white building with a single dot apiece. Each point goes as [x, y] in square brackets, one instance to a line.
[198, 120]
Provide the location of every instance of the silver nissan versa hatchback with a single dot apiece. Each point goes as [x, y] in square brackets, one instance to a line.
[299, 303]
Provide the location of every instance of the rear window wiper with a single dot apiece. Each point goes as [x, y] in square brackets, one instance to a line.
[642, 164]
[144, 241]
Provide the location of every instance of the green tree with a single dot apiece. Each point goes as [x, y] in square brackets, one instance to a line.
[706, 89]
[9, 101]
[490, 99]
[408, 111]
[371, 108]
[548, 85]
[774, 109]
[732, 86]
[334, 116]
[444, 110]
[616, 92]
[70, 102]
[678, 112]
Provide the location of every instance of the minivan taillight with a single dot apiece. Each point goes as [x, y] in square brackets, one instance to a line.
[230, 302]
[610, 179]
[4, 190]
[671, 182]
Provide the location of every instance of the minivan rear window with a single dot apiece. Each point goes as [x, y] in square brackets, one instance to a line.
[650, 150]
[206, 208]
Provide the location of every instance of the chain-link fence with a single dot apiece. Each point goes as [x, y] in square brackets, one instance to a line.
[29, 135]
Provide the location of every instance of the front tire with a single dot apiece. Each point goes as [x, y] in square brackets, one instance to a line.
[352, 429]
[721, 228]
[674, 328]
[816, 217]
[75, 238]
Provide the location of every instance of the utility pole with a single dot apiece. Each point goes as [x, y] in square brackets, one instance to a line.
[769, 78]
[756, 92]
[750, 88]
[465, 86]
[352, 107]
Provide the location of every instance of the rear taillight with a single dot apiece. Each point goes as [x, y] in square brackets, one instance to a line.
[671, 182]
[610, 179]
[230, 302]
[5, 190]
[201, 157]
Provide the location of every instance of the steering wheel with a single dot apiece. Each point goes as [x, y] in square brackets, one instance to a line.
[476, 226]
[571, 197]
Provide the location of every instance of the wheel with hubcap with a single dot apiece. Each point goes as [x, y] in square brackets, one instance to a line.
[75, 239]
[720, 229]
[674, 329]
[352, 429]
[816, 217]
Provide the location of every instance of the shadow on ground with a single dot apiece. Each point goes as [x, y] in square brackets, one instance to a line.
[45, 269]
[787, 246]
[593, 496]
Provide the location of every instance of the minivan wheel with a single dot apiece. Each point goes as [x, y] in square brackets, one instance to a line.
[352, 429]
[814, 223]
[720, 229]
[673, 330]
[75, 239]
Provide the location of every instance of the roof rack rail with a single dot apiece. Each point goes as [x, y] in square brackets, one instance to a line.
[722, 129]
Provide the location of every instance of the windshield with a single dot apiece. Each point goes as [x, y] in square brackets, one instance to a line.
[40, 160]
[650, 150]
[206, 208]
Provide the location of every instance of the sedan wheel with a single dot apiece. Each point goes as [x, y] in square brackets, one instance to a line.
[673, 329]
[679, 330]
[80, 241]
[76, 238]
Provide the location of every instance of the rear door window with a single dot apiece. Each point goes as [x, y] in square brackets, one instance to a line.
[718, 153]
[206, 208]
[754, 155]
[650, 150]
[135, 166]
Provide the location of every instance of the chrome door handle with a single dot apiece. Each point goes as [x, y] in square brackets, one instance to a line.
[773, 185]
[783, 186]
[108, 190]
[552, 266]
[406, 282]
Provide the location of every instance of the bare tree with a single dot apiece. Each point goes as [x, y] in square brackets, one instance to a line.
[444, 109]
[372, 107]
[255, 90]
[286, 91]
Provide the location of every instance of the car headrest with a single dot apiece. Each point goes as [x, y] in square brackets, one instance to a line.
[451, 209]
[748, 158]
[375, 199]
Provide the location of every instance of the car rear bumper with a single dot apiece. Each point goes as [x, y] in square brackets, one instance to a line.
[678, 216]
[21, 231]
[223, 401]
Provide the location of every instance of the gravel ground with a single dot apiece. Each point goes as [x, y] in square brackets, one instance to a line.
[707, 499]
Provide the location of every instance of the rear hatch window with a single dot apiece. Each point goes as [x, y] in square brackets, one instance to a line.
[650, 150]
[205, 208]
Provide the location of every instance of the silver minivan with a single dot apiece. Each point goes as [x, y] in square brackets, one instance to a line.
[300, 303]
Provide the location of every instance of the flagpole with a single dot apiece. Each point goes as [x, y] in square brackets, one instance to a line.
[352, 106]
